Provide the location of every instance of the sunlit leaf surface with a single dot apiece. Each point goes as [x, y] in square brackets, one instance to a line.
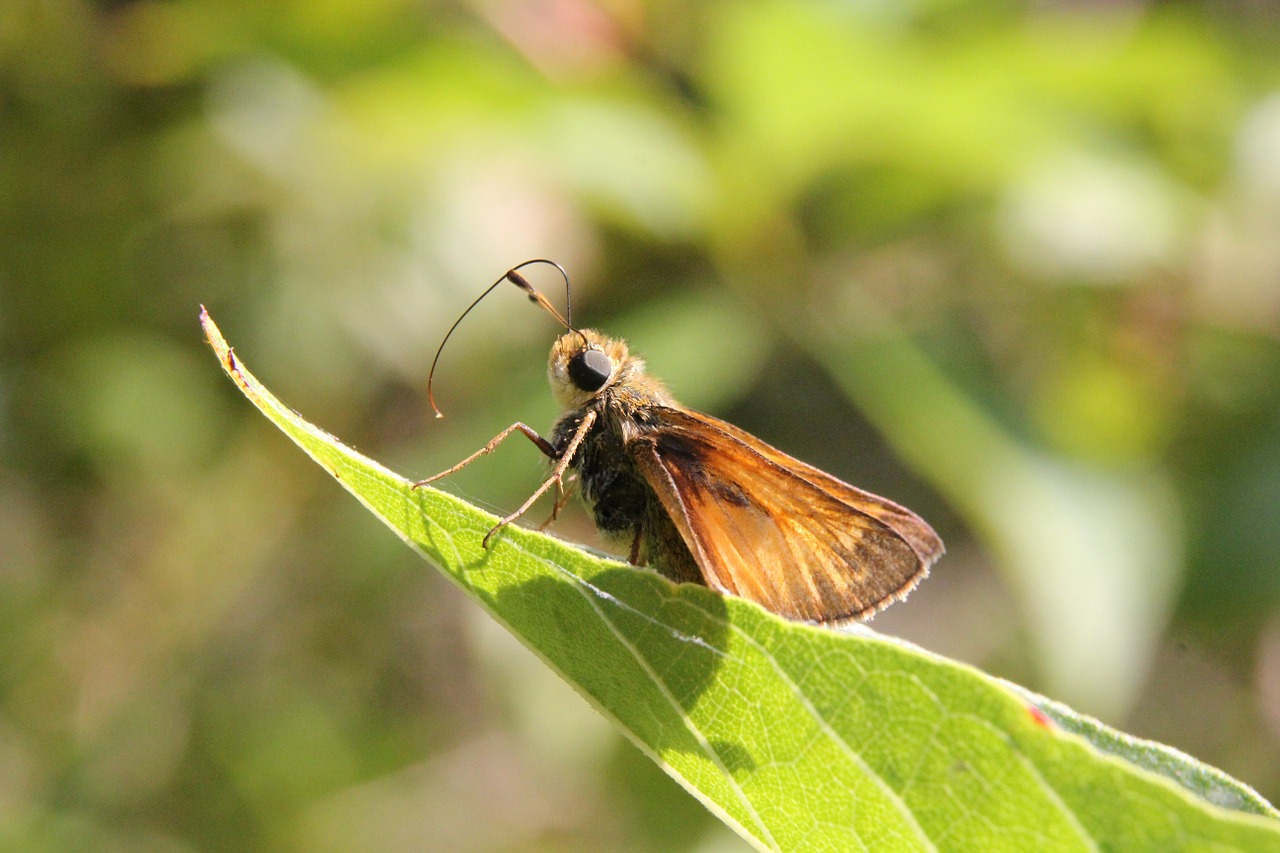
[803, 738]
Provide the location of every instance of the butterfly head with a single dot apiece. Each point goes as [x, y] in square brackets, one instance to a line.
[583, 363]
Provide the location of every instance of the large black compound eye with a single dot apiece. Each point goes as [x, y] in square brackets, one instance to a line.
[590, 369]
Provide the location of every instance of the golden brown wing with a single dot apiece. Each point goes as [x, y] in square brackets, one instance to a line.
[906, 523]
[767, 527]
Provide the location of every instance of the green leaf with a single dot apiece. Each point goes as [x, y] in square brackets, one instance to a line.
[803, 738]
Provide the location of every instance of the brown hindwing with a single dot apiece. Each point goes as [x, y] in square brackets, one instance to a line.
[770, 528]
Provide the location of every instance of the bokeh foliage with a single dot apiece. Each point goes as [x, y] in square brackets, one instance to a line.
[1014, 265]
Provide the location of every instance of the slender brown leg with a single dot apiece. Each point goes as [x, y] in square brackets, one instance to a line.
[634, 558]
[561, 499]
[530, 433]
[557, 473]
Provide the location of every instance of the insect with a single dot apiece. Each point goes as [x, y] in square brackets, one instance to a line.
[703, 501]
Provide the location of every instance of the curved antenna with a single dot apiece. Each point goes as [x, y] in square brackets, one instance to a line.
[512, 275]
[534, 296]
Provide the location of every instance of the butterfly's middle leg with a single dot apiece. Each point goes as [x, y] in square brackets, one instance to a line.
[557, 473]
[529, 432]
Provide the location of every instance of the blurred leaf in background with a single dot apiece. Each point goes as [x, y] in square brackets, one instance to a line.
[1014, 265]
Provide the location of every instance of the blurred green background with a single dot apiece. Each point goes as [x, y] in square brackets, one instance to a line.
[1016, 265]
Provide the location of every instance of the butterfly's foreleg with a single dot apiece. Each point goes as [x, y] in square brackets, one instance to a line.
[530, 433]
[557, 473]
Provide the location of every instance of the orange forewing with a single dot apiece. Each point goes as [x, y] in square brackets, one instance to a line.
[904, 522]
[770, 528]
